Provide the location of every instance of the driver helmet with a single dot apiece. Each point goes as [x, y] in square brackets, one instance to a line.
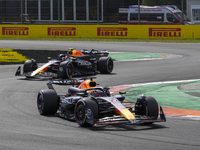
[96, 93]
[67, 57]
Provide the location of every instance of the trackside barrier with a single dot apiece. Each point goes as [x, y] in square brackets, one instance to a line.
[101, 31]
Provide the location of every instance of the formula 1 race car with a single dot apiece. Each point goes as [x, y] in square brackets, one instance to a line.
[89, 105]
[75, 62]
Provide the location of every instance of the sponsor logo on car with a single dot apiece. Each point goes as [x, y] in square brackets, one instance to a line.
[164, 32]
[61, 31]
[19, 31]
[112, 31]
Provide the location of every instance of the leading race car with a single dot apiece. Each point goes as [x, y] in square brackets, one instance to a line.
[90, 105]
[75, 62]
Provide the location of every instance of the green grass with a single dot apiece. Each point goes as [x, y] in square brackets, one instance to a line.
[132, 56]
[109, 40]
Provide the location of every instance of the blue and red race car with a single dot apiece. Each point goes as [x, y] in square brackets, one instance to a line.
[74, 62]
[90, 105]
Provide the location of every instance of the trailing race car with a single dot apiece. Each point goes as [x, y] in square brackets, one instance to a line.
[67, 65]
[89, 105]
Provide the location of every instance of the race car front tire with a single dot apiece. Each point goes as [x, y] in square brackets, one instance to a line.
[66, 70]
[47, 102]
[147, 106]
[85, 108]
[105, 65]
[29, 65]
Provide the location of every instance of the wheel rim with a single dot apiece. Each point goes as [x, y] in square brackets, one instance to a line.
[80, 113]
[110, 65]
[40, 103]
[70, 70]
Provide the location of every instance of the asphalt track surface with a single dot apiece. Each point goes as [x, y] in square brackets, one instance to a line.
[22, 128]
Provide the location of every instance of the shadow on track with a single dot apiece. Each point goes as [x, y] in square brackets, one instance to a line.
[123, 127]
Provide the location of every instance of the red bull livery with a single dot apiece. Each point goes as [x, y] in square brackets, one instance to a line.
[71, 64]
[90, 105]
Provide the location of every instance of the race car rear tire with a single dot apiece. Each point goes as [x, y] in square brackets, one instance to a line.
[105, 65]
[29, 65]
[66, 70]
[83, 108]
[47, 102]
[147, 106]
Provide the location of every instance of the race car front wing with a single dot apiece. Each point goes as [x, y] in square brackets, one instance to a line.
[29, 74]
[139, 119]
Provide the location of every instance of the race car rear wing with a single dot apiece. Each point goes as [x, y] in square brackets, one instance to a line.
[63, 82]
[73, 82]
[66, 81]
[70, 81]
[93, 51]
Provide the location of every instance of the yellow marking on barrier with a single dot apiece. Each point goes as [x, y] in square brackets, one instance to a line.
[8, 55]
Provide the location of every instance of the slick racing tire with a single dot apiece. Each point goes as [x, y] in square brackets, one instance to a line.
[105, 65]
[29, 65]
[66, 70]
[147, 106]
[47, 102]
[86, 109]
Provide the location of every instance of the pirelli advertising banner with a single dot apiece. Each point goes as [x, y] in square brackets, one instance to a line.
[101, 31]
